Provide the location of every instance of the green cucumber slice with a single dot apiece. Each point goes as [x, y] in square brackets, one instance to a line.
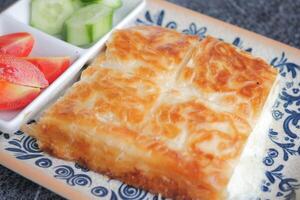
[49, 15]
[111, 3]
[88, 24]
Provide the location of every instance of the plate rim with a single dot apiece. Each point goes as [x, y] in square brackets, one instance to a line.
[38, 176]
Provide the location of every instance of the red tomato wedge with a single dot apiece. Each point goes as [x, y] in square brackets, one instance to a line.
[52, 67]
[16, 44]
[21, 72]
[16, 96]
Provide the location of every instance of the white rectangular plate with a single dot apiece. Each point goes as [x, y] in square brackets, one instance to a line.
[268, 167]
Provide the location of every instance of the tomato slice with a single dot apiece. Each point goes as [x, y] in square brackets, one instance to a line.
[16, 96]
[16, 44]
[21, 72]
[52, 67]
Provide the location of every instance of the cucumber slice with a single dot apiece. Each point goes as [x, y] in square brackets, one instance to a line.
[111, 3]
[88, 24]
[49, 16]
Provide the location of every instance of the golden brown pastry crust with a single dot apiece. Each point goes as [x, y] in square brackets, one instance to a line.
[150, 52]
[150, 112]
[219, 67]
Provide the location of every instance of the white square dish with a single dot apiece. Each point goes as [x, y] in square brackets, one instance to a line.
[16, 19]
[269, 166]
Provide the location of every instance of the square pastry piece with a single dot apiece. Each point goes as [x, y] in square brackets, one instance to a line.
[162, 111]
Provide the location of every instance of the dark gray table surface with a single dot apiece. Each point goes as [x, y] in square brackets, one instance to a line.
[276, 19]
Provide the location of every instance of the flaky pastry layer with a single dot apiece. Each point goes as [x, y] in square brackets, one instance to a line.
[162, 111]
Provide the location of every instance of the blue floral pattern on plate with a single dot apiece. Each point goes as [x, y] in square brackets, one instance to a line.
[286, 111]
[286, 144]
[4, 135]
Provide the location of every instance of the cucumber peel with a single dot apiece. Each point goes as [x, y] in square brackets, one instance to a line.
[115, 4]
